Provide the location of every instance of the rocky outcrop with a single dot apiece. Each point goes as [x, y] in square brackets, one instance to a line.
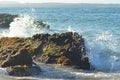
[16, 59]
[23, 70]
[67, 49]
[41, 24]
[6, 19]
[22, 57]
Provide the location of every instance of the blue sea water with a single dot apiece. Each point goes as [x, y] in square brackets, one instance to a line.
[100, 27]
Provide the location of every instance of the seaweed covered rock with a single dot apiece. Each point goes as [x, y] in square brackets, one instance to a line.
[22, 57]
[18, 71]
[13, 49]
[67, 49]
[13, 52]
[23, 70]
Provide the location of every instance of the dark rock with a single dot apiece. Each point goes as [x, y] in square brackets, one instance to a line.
[23, 70]
[22, 57]
[41, 24]
[18, 71]
[6, 19]
[38, 50]
[40, 37]
[60, 38]
[84, 64]
[66, 49]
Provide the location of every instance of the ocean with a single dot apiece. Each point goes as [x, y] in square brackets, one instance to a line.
[98, 24]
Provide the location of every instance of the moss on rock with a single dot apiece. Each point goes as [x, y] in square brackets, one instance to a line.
[66, 49]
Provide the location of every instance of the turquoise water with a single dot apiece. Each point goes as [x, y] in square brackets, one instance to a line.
[99, 25]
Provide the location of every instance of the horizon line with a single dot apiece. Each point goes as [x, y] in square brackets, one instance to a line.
[14, 2]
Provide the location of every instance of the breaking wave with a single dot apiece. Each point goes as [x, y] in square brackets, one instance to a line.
[103, 53]
[25, 26]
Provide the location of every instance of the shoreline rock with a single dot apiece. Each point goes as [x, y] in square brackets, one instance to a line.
[23, 70]
[67, 49]
[22, 57]
[6, 19]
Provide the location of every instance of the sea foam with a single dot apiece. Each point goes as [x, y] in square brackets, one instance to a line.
[23, 26]
[102, 53]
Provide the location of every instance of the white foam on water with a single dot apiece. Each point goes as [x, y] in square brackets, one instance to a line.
[23, 26]
[3, 71]
[70, 29]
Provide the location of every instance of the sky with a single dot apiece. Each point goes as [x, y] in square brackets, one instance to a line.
[66, 1]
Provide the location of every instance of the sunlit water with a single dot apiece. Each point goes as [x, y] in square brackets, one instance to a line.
[100, 26]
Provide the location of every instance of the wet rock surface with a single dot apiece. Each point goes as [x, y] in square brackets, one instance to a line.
[16, 58]
[67, 49]
[6, 19]
[22, 57]
[23, 70]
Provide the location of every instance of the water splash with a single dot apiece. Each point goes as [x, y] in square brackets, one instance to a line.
[24, 26]
[70, 29]
[102, 53]
[3, 71]
[107, 39]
